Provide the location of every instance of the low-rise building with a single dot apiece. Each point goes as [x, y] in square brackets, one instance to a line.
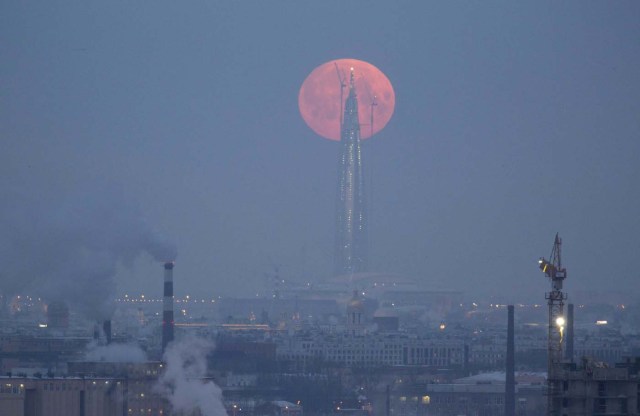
[76, 396]
[594, 388]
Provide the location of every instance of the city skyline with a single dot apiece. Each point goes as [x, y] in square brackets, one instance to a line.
[147, 144]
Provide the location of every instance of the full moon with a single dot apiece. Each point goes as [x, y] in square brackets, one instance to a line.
[319, 98]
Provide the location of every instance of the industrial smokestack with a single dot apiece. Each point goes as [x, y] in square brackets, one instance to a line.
[510, 385]
[167, 306]
[106, 328]
[569, 347]
[388, 402]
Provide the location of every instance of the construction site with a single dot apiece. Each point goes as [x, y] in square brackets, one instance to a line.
[579, 385]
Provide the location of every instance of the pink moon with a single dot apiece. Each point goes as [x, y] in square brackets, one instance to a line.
[319, 97]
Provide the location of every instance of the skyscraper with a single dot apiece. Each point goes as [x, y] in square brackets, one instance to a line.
[351, 246]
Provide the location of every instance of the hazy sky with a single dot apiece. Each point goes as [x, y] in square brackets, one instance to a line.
[514, 120]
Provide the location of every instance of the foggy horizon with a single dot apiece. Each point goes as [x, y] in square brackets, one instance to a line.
[131, 131]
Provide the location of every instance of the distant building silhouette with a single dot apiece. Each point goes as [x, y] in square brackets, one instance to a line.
[351, 246]
[356, 316]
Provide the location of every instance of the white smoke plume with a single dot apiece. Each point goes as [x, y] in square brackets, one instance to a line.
[183, 382]
[115, 353]
[66, 244]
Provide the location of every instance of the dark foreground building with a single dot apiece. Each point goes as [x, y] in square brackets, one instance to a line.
[119, 390]
[594, 388]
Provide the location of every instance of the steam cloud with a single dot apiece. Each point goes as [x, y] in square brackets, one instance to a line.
[182, 382]
[66, 245]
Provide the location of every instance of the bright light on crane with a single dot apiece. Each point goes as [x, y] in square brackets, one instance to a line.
[560, 322]
[547, 268]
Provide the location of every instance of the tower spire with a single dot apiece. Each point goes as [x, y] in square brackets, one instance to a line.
[351, 247]
[352, 84]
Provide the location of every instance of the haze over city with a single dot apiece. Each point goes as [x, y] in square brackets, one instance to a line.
[175, 125]
[325, 208]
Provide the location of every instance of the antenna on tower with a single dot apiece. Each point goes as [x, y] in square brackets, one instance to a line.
[373, 104]
[342, 87]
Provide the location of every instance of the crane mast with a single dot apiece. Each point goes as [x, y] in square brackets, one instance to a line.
[553, 269]
[342, 87]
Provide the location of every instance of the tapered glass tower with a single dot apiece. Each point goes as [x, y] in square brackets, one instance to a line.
[351, 246]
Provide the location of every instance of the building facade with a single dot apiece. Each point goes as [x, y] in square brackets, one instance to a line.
[594, 388]
[372, 351]
[80, 396]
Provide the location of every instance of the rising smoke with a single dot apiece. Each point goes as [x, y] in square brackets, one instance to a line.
[183, 382]
[66, 245]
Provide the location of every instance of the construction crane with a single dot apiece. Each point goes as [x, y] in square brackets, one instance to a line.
[373, 104]
[553, 269]
[341, 78]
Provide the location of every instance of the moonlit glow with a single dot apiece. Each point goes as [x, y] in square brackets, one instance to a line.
[319, 97]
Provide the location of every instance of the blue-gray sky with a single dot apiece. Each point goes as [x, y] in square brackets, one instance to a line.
[514, 120]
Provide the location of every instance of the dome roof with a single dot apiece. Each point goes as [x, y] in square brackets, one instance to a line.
[355, 303]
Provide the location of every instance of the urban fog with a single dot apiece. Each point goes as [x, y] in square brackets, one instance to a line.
[319, 208]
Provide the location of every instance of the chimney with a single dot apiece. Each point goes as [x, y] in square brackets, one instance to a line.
[510, 385]
[388, 402]
[106, 328]
[569, 347]
[167, 306]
